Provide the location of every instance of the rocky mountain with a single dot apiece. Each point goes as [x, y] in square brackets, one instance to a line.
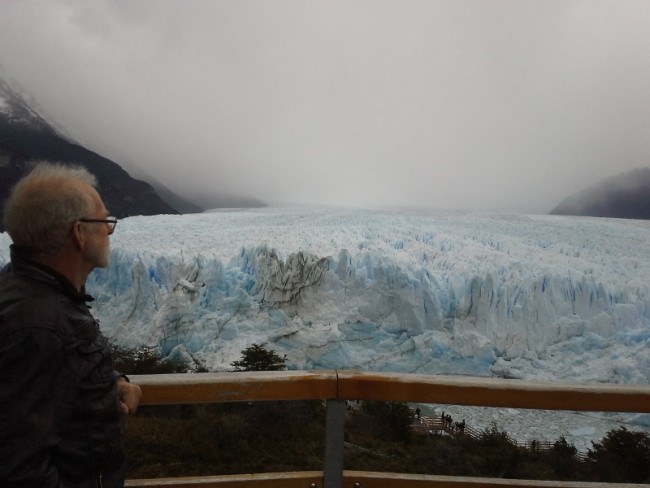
[26, 137]
[625, 196]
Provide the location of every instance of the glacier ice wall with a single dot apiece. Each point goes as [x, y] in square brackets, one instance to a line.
[482, 294]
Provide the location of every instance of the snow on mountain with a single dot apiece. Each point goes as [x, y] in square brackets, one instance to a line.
[15, 109]
[515, 296]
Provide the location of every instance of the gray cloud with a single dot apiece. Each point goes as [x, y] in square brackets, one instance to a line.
[447, 104]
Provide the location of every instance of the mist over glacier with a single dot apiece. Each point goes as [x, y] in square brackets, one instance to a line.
[515, 296]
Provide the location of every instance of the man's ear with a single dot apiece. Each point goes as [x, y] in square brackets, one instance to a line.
[78, 236]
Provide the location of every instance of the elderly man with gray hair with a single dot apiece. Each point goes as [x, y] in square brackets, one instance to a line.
[60, 399]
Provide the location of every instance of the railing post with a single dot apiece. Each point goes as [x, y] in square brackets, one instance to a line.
[334, 430]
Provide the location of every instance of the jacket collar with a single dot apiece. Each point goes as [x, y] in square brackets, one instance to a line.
[24, 266]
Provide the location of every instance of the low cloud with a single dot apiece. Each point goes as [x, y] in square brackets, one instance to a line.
[446, 104]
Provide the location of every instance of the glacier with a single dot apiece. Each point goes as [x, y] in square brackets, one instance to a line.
[470, 293]
[485, 294]
[476, 293]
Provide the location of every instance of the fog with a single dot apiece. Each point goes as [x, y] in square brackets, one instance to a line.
[500, 104]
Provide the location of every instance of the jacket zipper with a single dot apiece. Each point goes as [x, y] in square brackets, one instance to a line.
[100, 476]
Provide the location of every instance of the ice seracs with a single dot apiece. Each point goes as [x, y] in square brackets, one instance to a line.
[515, 296]
[518, 296]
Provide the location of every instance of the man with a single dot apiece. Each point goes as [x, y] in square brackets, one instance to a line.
[60, 399]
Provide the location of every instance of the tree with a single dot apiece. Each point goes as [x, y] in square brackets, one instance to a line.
[146, 360]
[622, 456]
[389, 420]
[563, 458]
[257, 358]
[498, 454]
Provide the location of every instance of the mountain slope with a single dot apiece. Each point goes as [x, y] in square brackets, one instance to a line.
[625, 196]
[26, 137]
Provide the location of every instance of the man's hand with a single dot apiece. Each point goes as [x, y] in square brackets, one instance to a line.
[129, 395]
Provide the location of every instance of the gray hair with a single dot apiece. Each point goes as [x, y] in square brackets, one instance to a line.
[43, 204]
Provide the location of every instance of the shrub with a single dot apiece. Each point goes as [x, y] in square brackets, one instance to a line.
[257, 358]
[388, 420]
[622, 456]
[145, 360]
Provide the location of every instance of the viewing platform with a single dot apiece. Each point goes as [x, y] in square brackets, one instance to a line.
[335, 387]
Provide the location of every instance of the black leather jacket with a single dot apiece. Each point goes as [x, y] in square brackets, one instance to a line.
[59, 416]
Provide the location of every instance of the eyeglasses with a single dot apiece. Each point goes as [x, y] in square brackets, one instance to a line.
[111, 222]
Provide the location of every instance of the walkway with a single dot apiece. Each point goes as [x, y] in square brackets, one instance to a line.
[425, 425]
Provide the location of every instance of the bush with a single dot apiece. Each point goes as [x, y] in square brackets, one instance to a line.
[226, 439]
[145, 360]
[622, 456]
[388, 420]
[496, 455]
[257, 358]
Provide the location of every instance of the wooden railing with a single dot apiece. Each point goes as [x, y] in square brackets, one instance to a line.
[337, 386]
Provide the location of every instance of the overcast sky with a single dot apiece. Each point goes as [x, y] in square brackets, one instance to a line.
[495, 104]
